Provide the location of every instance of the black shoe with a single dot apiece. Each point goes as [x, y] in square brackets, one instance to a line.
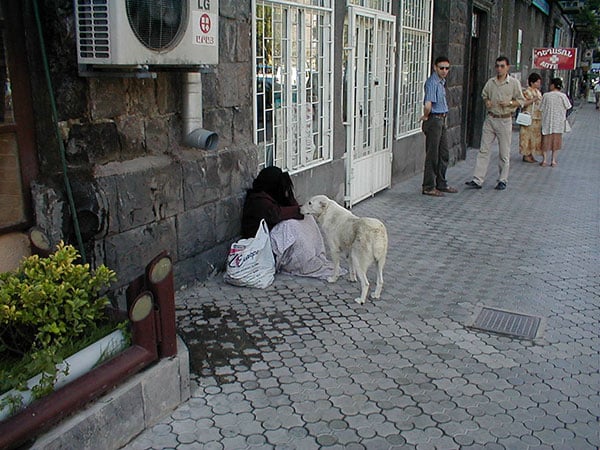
[500, 186]
[473, 184]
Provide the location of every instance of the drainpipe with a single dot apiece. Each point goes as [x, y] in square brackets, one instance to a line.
[194, 135]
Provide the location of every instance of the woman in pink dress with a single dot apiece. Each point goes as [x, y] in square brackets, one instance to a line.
[555, 105]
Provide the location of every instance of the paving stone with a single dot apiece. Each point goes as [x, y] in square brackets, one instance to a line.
[347, 437]
[300, 365]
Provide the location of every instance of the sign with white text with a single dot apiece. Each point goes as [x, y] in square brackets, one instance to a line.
[555, 58]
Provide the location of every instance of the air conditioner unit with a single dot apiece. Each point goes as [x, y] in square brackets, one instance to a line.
[141, 33]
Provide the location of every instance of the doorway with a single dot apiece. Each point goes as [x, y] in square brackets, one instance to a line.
[477, 77]
[369, 71]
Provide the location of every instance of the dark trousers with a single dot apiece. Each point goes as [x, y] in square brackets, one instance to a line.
[436, 153]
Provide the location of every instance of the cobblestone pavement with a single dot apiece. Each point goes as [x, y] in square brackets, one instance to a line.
[301, 366]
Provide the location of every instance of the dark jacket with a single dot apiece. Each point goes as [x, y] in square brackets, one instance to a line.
[260, 205]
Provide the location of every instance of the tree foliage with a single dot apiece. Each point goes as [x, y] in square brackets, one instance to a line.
[587, 24]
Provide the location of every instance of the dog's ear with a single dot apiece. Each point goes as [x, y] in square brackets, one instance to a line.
[323, 203]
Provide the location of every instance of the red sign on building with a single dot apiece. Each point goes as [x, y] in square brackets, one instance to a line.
[555, 58]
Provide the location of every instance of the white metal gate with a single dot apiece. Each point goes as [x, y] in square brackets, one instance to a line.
[370, 90]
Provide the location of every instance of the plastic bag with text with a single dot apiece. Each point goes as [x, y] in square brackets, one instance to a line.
[250, 261]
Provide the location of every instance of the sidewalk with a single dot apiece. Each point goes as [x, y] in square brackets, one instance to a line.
[301, 366]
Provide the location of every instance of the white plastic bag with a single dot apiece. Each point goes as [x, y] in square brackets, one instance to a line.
[250, 261]
[524, 119]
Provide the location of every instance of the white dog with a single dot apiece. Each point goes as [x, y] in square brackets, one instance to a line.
[362, 238]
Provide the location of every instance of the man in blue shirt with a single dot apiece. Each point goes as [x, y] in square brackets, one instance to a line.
[435, 112]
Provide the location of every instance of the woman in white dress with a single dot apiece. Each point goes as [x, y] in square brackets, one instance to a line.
[554, 120]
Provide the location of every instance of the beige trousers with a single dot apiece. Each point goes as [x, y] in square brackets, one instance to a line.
[494, 128]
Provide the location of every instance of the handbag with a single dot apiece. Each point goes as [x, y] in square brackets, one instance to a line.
[250, 262]
[523, 119]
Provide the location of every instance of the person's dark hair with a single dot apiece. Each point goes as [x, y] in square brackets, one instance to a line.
[503, 58]
[277, 184]
[533, 77]
[557, 83]
[440, 59]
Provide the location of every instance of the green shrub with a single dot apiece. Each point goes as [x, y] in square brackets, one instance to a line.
[48, 307]
[49, 302]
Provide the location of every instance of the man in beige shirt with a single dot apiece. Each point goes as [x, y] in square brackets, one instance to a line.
[502, 95]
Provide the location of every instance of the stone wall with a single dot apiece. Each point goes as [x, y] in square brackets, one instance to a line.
[451, 31]
[137, 189]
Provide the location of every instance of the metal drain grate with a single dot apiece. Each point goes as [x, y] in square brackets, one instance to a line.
[509, 323]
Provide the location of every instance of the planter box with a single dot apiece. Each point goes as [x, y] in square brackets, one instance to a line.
[70, 369]
[114, 419]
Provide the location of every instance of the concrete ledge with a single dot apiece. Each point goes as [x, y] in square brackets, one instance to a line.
[116, 418]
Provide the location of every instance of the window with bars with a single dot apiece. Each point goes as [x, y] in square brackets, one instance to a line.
[416, 17]
[293, 82]
[379, 5]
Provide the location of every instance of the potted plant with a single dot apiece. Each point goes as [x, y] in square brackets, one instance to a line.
[50, 308]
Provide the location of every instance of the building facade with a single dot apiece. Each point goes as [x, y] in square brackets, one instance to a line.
[330, 91]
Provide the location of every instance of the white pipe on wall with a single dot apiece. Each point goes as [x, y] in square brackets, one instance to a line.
[194, 134]
[192, 102]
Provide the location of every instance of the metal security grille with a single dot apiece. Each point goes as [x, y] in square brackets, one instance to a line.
[416, 21]
[369, 64]
[363, 93]
[373, 64]
[156, 23]
[293, 78]
[509, 323]
[93, 29]
[379, 5]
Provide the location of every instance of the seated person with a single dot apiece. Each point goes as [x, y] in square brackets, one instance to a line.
[296, 240]
[271, 198]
